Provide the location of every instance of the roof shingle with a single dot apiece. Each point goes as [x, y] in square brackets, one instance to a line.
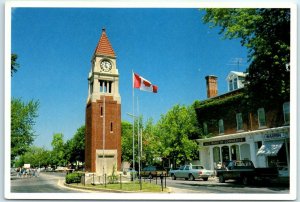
[104, 47]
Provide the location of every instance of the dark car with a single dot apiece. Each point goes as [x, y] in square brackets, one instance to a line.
[152, 171]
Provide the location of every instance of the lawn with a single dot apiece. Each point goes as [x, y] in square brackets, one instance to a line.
[126, 187]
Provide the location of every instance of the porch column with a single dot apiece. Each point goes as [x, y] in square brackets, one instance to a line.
[211, 157]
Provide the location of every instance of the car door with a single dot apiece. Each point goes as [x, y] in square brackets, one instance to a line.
[180, 172]
[186, 172]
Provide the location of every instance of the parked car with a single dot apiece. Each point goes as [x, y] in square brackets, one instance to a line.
[152, 171]
[191, 172]
[246, 172]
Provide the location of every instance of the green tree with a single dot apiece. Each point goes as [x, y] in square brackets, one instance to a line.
[150, 146]
[14, 65]
[35, 156]
[58, 151]
[126, 136]
[75, 147]
[175, 130]
[266, 34]
[22, 121]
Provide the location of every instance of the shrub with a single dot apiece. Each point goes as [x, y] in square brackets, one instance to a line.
[113, 178]
[73, 178]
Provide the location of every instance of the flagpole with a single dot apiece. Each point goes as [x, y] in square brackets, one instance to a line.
[133, 119]
[103, 143]
[139, 141]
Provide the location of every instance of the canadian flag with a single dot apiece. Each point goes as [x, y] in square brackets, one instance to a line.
[143, 84]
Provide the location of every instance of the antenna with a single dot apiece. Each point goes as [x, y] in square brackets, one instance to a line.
[236, 62]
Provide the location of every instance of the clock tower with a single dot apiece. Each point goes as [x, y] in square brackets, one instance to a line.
[103, 112]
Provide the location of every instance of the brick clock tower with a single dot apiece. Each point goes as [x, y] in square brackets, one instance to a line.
[103, 112]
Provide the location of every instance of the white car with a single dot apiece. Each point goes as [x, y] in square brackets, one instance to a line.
[191, 172]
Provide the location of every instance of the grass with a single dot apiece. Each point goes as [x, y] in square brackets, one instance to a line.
[127, 187]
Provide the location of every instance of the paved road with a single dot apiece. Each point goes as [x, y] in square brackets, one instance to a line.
[53, 183]
[45, 183]
[213, 186]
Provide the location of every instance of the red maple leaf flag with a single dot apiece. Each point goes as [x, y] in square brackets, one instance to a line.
[143, 84]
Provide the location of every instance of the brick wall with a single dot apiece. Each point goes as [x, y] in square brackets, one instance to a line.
[274, 118]
[94, 130]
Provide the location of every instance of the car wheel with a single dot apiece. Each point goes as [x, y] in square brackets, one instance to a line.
[173, 177]
[205, 178]
[221, 179]
[191, 177]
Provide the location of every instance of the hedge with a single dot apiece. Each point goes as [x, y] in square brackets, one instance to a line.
[73, 178]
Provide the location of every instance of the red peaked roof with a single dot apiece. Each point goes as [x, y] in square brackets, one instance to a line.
[104, 47]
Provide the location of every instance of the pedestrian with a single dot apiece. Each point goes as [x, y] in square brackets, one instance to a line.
[33, 172]
[19, 172]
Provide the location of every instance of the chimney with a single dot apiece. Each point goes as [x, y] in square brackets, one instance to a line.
[211, 86]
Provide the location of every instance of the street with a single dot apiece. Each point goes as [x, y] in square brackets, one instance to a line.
[45, 183]
[213, 186]
[51, 182]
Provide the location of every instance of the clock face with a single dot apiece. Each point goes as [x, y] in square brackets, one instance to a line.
[105, 65]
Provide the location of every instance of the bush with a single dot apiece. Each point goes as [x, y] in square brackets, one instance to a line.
[112, 179]
[73, 178]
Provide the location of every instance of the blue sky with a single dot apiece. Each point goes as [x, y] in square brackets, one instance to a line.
[170, 47]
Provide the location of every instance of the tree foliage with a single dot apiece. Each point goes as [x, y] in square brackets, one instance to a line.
[150, 144]
[22, 121]
[77, 145]
[127, 144]
[36, 157]
[58, 149]
[266, 34]
[14, 65]
[176, 131]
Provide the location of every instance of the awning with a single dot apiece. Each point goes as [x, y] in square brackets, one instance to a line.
[270, 148]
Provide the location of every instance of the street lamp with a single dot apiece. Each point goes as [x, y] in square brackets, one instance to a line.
[133, 167]
[139, 147]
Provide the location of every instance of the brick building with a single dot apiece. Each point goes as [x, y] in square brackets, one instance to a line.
[103, 112]
[233, 132]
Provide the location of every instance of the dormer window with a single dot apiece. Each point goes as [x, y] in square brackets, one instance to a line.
[235, 80]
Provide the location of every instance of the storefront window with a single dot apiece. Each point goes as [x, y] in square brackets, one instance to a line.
[245, 152]
[235, 152]
[225, 153]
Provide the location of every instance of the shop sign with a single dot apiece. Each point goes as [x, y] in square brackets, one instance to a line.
[224, 141]
[275, 136]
